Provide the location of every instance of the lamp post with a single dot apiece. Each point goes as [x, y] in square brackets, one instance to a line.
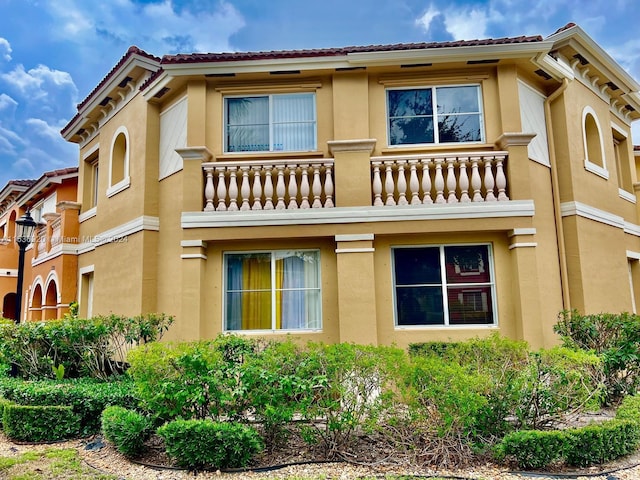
[25, 226]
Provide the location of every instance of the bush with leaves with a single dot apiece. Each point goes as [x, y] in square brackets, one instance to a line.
[629, 409]
[39, 423]
[126, 429]
[615, 338]
[93, 347]
[200, 444]
[533, 448]
[601, 443]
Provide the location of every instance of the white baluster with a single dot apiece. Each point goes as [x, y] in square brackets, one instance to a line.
[476, 183]
[426, 181]
[501, 180]
[222, 190]
[464, 181]
[439, 181]
[280, 188]
[233, 191]
[268, 188]
[413, 182]
[377, 185]
[489, 183]
[328, 188]
[316, 187]
[245, 190]
[451, 181]
[402, 184]
[209, 190]
[257, 188]
[388, 184]
[304, 186]
[293, 188]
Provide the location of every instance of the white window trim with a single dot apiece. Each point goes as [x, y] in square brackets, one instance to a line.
[435, 116]
[126, 181]
[270, 97]
[588, 165]
[273, 290]
[444, 285]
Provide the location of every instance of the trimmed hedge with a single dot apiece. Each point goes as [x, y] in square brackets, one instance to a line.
[590, 445]
[39, 423]
[126, 429]
[87, 397]
[629, 409]
[200, 444]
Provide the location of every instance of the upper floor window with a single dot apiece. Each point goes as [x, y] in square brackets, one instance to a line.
[90, 181]
[444, 285]
[623, 163]
[269, 123]
[278, 290]
[119, 162]
[434, 115]
[593, 147]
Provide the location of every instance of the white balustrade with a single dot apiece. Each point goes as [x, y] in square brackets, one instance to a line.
[439, 178]
[268, 185]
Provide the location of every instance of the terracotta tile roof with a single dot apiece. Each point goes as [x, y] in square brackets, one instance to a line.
[566, 27]
[329, 52]
[21, 183]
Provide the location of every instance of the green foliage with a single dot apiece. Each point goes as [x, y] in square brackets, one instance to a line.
[58, 372]
[87, 397]
[126, 429]
[601, 443]
[39, 423]
[629, 409]
[3, 403]
[88, 347]
[615, 338]
[533, 448]
[199, 444]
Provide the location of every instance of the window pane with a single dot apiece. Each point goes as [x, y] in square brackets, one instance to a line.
[419, 306]
[293, 108]
[409, 103]
[417, 266]
[470, 305]
[297, 290]
[294, 136]
[459, 128]
[467, 264]
[457, 100]
[247, 124]
[411, 130]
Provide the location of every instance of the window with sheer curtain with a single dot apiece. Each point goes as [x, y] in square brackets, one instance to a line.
[277, 290]
[270, 123]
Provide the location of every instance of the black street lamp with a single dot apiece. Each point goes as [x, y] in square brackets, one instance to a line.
[25, 226]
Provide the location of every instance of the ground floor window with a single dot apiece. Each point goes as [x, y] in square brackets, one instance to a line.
[278, 290]
[444, 285]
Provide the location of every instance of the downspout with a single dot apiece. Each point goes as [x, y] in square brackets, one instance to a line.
[555, 195]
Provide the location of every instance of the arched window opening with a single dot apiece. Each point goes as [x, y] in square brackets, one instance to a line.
[118, 155]
[36, 303]
[50, 310]
[593, 147]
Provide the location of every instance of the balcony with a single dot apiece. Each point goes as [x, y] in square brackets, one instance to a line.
[450, 185]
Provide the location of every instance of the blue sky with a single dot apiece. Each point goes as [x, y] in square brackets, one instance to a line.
[54, 52]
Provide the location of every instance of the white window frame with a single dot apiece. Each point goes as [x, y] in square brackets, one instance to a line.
[270, 96]
[126, 180]
[444, 285]
[273, 328]
[590, 166]
[435, 115]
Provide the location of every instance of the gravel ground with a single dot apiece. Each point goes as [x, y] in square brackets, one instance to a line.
[107, 460]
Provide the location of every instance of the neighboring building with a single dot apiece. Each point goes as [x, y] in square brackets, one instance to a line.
[51, 261]
[380, 194]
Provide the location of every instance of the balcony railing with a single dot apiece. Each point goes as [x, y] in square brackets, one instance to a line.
[268, 185]
[439, 178]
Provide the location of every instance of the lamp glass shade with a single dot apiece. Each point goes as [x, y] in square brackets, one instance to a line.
[25, 227]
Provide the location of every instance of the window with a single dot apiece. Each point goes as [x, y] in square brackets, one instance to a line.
[413, 114]
[444, 285]
[268, 123]
[277, 290]
[593, 148]
[90, 182]
[623, 163]
[119, 163]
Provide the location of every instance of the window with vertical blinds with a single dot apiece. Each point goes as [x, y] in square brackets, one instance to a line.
[270, 123]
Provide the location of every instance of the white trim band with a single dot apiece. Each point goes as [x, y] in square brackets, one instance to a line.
[355, 250]
[355, 238]
[523, 244]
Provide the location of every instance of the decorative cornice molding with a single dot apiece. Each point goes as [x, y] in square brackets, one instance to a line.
[195, 153]
[356, 145]
[514, 139]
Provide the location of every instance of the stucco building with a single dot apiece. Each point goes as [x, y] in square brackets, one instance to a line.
[380, 194]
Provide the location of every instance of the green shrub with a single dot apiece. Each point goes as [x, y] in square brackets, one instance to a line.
[200, 444]
[39, 423]
[601, 443]
[87, 397]
[126, 429]
[85, 347]
[629, 409]
[615, 338]
[533, 448]
[3, 403]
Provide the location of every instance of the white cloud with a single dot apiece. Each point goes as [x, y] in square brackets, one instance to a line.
[44, 129]
[24, 165]
[466, 24]
[425, 20]
[5, 49]
[40, 83]
[6, 102]
[8, 140]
